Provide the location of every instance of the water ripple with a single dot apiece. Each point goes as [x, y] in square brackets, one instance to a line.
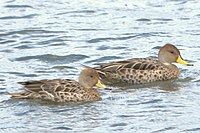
[49, 58]
[164, 129]
[19, 17]
[77, 12]
[104, 47]
[29, 31]
[103, 59]
[96, 40]
[143, 19]
[62, 128]
[23, 74]
[110, 39]
[118, 125]
[18, 6]
[192, 130]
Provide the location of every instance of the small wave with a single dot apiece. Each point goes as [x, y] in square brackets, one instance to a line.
[143, 19]
[63, 128]
[24, 46]
[19, 17]
[192, 130]
[153, 101]
[29, 31]
[118, 125]
[162, 19]
[88, 29]
[77, 12]
[18, 6]
[96, 40]
[49, 58]
[7, 41]
[103, 47]
[2, 80]
[164, 129]
[22, 74]
[105, 58]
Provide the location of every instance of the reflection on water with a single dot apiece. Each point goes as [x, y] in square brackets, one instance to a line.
[164, 85]
[51, 39]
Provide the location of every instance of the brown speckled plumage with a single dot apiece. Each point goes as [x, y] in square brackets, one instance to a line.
[63, 90]
[143, 70]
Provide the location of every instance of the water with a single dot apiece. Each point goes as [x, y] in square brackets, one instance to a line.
[50, 39]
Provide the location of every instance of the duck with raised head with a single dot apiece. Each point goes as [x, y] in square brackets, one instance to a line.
[64, 90]
[144, 70]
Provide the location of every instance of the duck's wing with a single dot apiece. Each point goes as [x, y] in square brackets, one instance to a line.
[51, 86]
[134, 64]
[48, 89]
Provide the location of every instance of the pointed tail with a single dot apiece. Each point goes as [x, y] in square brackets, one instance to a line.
[17, 95]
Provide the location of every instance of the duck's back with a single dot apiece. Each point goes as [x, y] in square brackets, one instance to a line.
[137, 71]
[58, 90]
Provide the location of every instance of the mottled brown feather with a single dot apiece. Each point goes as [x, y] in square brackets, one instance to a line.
[143, 70]
[62, 90]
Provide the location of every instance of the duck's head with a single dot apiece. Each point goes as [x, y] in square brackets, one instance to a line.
[169, 54]
[89, 78]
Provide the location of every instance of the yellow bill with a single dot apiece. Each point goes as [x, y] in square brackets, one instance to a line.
[99, 84]
[181, 61]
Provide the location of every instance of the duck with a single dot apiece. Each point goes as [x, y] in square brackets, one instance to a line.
[143, 70]
[63, 90]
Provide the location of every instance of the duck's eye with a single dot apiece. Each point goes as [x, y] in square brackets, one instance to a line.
[91, 76]
[172, 52]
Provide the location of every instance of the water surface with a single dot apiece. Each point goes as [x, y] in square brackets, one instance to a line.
[50, 39]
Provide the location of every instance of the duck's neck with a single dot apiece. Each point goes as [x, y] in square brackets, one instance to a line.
[170, 66]
[93, 92]
[167, 64]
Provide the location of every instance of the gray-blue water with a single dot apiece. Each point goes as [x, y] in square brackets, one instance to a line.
[46, 39]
